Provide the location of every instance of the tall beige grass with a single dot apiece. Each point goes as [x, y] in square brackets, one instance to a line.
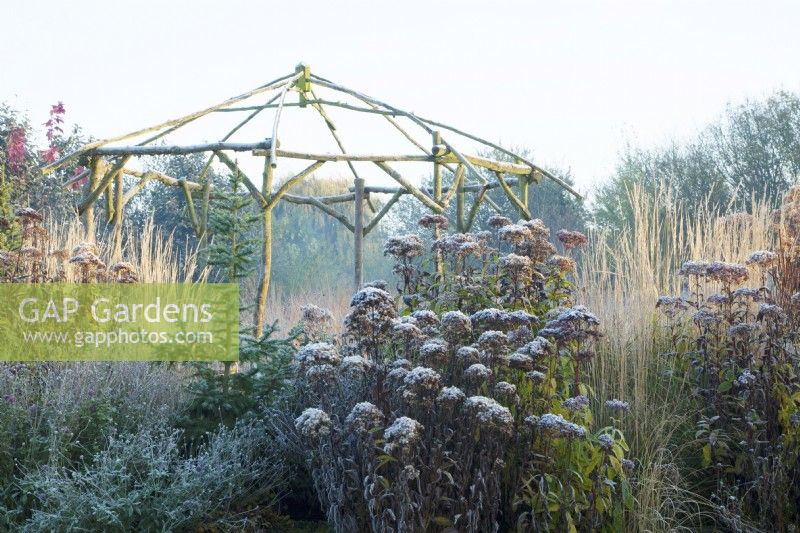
[153, 252]
[620, 277]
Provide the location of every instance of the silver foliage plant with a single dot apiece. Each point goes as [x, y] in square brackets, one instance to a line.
[449, 414]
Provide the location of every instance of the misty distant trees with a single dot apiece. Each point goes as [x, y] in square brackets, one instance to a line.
[752, 151]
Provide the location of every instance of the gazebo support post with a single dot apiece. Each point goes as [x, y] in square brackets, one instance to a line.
[437, 195]
[266, 216]
[119, 212]
[358, 234]
[96, 167]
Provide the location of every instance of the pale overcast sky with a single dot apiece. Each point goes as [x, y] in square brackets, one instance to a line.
[572, 80]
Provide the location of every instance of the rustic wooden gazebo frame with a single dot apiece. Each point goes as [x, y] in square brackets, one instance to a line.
[107, 165]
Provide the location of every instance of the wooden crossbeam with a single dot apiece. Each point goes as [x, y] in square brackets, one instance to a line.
[330, 211]
[448, 158]
[457, 182]
[182, 150]
[475, 206]
[273, 158]
[428, 125]
[418, 194]
[513, 197]
[291, 182]
[384, 210]
[190, 206]
[170, 123]
[327, 200]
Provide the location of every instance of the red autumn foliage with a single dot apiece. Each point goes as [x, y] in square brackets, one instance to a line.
[54, 130]
[16, 150]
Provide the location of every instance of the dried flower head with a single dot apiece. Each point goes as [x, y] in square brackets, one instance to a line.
[517, 265]
[425, 318]
[450, 396]
[728, 273]
[434, 352]
[536, 376]
[606, 442]
[520, 361]
[628, 466]
[433, 222]
[554, 425]
[354, 366]
[617, 405]
[498, 221]
[672, 303]
[364, 417]
[404, 246]
[490, 414]
[742, 331]
[396, 376]
[574, 323]
[421, 384]
[28, 215]
[30, 253]
[771, 312]
[694, 268]
[372, 311]
[314, 315]
[743, 293]
[576, 403]
[313, 423]
[746, 378]
[124, 271]
[402, 436]
[320, 376]
[405, 330]
[719, 299]
[455, 325]
[452, 244]
[571, 239]
[562, 263]
[506, 391]
[538, 347]
[762, 258]
[492, 344]
[537, 227]
[490, 318]
[377, 284]
[705, 318]
[514, 233]
[477, 373]
[520, 336]
[467, 355]
[317, 353]
[84, 247]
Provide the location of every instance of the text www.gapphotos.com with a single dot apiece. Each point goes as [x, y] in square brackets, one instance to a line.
[108, 338]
